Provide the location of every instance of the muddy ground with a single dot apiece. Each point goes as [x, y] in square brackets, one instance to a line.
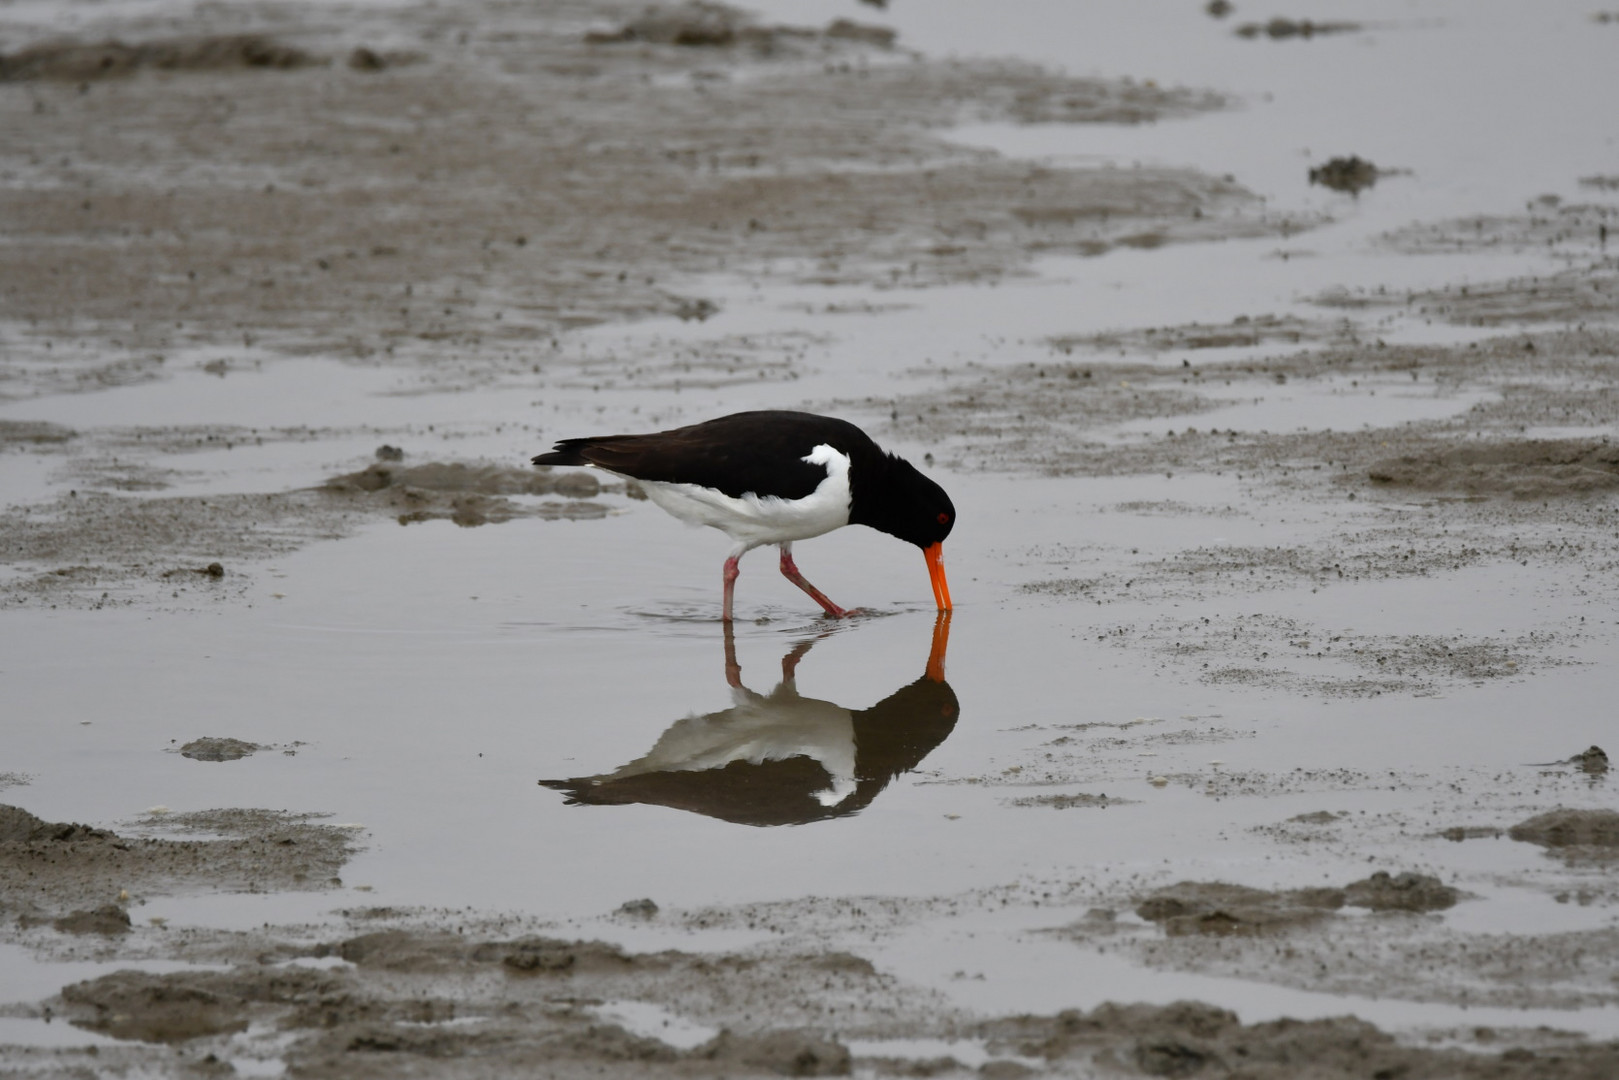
[451, 191]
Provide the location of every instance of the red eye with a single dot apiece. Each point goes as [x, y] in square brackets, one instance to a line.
[944, 519]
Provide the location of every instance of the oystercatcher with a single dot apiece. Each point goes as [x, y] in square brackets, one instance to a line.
[773, 477]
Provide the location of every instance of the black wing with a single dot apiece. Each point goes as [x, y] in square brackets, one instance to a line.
[758, 453]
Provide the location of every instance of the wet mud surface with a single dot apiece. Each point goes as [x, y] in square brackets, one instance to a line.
[50, 867]
[440, 203]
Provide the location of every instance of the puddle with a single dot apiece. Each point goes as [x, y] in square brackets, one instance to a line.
[653, 1022]
[46, 1034]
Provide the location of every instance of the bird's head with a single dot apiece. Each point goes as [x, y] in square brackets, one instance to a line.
[910, 506]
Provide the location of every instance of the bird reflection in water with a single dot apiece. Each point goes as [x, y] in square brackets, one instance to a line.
[780, 758]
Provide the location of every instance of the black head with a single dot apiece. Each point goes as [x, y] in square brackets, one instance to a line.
[902, 502]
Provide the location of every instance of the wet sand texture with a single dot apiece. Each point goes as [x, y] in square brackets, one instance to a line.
[51, 870]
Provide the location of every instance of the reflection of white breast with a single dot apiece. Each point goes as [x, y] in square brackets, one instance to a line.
[756, 730]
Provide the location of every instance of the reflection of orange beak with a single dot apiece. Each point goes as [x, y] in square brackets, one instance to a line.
[941, 589]
[941, 642]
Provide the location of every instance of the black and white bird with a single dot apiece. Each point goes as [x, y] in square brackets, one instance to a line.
[773, 477]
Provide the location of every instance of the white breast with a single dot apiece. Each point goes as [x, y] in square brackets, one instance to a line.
[754, 520]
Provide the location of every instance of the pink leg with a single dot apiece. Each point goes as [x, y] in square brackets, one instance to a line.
[732, 572]
[789, 570]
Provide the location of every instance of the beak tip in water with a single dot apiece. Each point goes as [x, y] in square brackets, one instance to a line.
[941, 588]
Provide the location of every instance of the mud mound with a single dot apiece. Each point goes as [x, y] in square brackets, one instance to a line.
[1521, 469]
[1572, 831]
[72, 61]
[1192, 1039]
[703, 25]
[212, 749]
[1213, 907]
[469, 495]
[49, 870]
[18, 826]
[33, 431]
[1349, 174]
[1405, 892]
[1280, 29]
[108, 919]
[185, 1005]
[405, 951]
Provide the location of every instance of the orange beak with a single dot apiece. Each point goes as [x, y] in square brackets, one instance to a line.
[941, 588]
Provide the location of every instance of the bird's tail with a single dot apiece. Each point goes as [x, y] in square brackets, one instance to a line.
[618, 452]
[568, 452]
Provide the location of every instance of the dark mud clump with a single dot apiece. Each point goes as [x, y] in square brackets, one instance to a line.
[1593, 761]
[703, 25]
[784, 1053]
[48, 870]
[71, 61]
[1403, 892]
[469, 495]
[1348, 174]
[107, 920]
[214, 749]
[18, 826]
[1193, 1039]
[388, 1012]
[1280, 29]
[1197, 907]
[1573, 833]
[180, 1006]
[33, 431]
[1214, 907]
[1527, 469]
